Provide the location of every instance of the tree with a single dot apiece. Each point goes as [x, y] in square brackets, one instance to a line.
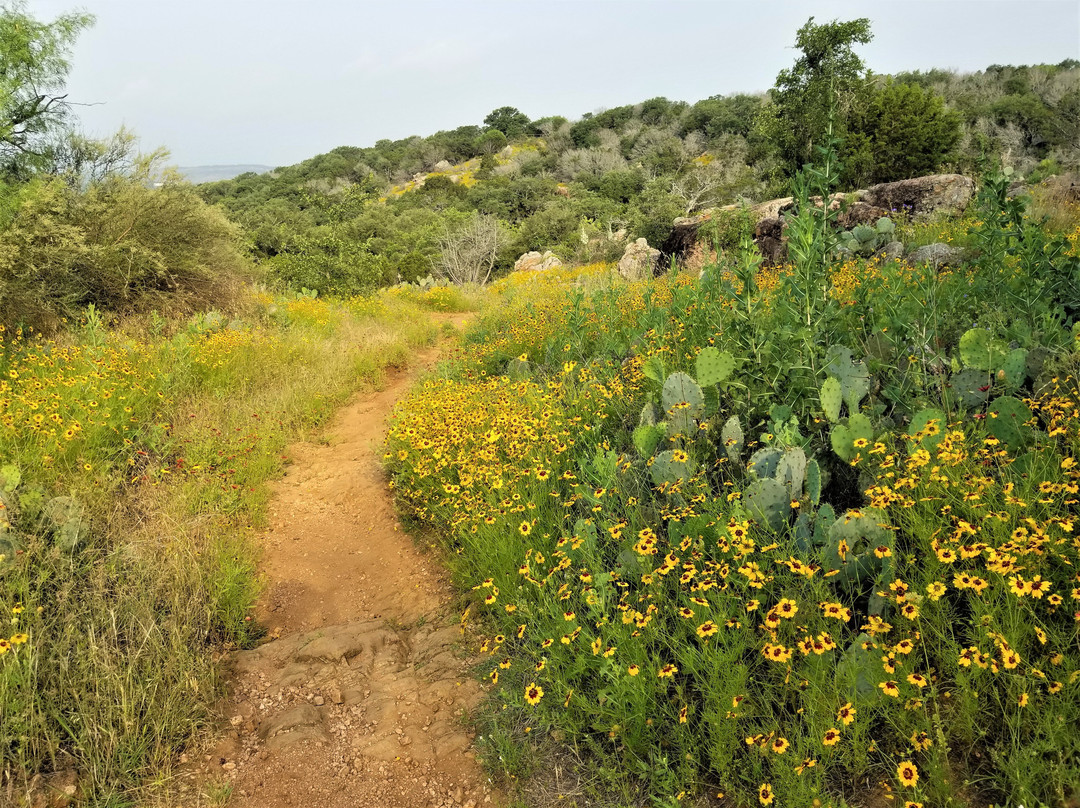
[509, 120]
[468, 254]
[33, 70]
[492, 141]
[908, 132]
[820, 87]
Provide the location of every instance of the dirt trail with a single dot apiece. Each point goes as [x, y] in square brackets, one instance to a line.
[359, 698]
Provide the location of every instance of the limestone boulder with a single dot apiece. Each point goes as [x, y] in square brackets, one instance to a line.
[859, 213]
[938, 255]
[638, 261]
[537, 262]
[946, 193]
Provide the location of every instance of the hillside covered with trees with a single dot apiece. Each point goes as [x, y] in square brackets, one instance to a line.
[360, 217]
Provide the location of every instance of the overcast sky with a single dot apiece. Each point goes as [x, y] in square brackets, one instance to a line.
[263, 81]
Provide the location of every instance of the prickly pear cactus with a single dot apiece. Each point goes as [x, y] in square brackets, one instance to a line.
[647, 437]
[975, 348]
[768, 502]
[653, 370]
[669, 467]
[1014, 368]
[813, 481]
[68, 520]
[972, 387]
[866, 240]
[713, 366]
[931, 424]
[732, 436]
[681, 391]
[851, 439]
[858, 672]
[979, 350]
[791, 471]
[1007, 421]
[763, 463]
[853, 539]
[853, 376]
[832, 398]
[683, 402]
[517, 368]
[648, 415]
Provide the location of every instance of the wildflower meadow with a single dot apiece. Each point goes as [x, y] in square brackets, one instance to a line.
[786, 536]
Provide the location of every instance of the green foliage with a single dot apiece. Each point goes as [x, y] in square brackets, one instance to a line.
[827, 77]
[907, 131]
[118, 244]
[864, 240]
[510, 121]
[33, 69]
[674, 574]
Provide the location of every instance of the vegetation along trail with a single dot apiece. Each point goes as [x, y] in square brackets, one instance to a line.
[359, 696]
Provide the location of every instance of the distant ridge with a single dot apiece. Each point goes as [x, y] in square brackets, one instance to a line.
[197, 174]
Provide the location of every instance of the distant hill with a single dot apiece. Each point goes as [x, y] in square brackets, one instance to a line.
[197, 174]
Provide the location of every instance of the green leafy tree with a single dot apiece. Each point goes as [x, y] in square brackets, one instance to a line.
[824, 82]
[907, 130]
[492, 141]
[509, 120]
[33, 69]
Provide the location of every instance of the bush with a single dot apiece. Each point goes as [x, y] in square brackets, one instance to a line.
[118, 244]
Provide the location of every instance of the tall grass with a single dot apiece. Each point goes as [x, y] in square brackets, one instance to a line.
[129, 563]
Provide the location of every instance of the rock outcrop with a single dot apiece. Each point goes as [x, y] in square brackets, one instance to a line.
[769, 237]
[937, 255]
[921, 196]
[638, 261]
[537, 262]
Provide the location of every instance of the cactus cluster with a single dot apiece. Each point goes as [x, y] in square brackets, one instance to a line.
[684, 401]
[865, 240]
[987, 366]
[847, 384]
[778, 476]
[64, 517]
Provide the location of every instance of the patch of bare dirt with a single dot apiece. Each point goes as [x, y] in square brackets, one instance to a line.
[359, 699]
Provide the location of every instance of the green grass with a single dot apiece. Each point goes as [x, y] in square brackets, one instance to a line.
[658, 604]
[124, 623]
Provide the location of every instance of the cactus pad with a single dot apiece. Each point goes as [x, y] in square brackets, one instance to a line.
[768, 502]
[1015, 368]
[1007, 421]
[932, 423]
[844, 437]
[813, 481]
[646, 438]
[791, 471]
[763, 463]
[714, 366]
[831, 399]
[732, 436]
[666, 469]
[682, 393]
[980, 351]
[972, 387]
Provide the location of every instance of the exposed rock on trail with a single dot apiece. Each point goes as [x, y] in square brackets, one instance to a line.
[359, 698]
